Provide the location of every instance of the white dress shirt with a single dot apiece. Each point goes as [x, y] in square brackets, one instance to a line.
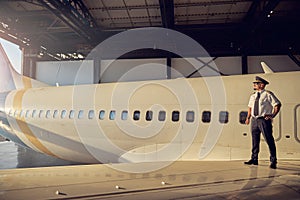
[267, 101]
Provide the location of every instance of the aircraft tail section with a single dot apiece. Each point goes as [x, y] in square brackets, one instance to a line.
[10, 79]
[6, 77]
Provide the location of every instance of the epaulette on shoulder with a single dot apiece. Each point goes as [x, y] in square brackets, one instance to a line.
[269, 92]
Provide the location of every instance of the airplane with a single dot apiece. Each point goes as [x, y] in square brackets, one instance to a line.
[145, 121]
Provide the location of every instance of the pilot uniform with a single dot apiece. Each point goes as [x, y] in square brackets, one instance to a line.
[266, 101]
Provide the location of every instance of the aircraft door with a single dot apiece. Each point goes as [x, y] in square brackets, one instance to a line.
[277, 127]
[297, 123]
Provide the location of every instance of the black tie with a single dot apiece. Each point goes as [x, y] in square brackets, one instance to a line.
[256, 104]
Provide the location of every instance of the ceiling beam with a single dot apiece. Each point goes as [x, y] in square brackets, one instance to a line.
[74, 14]
[250, 14]
[218, 41]
[167, 13]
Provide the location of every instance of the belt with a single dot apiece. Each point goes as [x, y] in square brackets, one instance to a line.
[258, 117]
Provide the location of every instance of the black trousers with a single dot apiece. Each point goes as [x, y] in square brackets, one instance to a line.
[263, 126]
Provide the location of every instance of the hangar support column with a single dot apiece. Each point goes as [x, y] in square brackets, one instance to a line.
[169, 65]
[97, 70]
[29, 62]
[244, 64]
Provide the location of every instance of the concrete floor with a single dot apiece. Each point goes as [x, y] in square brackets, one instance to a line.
[43, 177]
[180, 180]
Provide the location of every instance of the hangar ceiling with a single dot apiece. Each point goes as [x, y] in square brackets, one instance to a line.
[69, 29]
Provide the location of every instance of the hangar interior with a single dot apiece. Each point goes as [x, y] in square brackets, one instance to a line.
[55, 37]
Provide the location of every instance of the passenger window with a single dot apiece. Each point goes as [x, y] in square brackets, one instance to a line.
[161, 115]
[223, 117]
[80, 114]
[72, 114]
[16, 113]
[149, 115]
[27, 113]
[55, 114]
[63, 114]
[243, 117]
[136, 115]
[22, 113]
[206, 116]
[91, 114]
[124, 115]
[48, 114]
[175, 116]
[41, 113]
[101, 114]
[190, 116]
[112, 115]
[34, 113]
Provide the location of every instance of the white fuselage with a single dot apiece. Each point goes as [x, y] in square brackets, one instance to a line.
[185, 119]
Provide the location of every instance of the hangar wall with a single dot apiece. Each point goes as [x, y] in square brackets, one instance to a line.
[82, 72]
[224, 65]
[132, 70]
[65, 72]
[276, 63]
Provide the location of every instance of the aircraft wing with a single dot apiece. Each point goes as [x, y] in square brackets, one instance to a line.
[181, 179]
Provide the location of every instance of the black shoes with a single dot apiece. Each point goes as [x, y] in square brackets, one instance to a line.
[273, 166]
[255, 162]
[251, 162]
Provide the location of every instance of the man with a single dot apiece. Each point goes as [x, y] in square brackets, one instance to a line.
[263, 107]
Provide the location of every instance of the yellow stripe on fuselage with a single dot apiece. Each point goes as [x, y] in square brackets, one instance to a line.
[26, 82]
[17, 105]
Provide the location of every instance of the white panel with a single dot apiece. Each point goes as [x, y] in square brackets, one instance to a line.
[226, 65]
[229, 65]
[182, 68]
[133, 70]
[68, 73]
[65, 72]
[276, 63]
